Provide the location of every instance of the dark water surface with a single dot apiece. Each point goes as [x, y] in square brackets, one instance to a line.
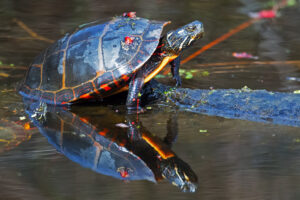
[233, 159]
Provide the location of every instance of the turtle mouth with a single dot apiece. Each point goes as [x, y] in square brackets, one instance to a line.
[198, 36]
[195, 38]
[189, 187]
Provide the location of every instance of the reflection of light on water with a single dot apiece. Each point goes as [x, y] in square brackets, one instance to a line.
[293, 79]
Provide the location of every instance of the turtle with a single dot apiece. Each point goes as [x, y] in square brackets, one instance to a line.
[129, 152]
[98, 60]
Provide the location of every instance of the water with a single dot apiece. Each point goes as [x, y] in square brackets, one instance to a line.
[233, 159]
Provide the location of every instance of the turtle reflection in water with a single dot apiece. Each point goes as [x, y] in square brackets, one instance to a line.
[130, 153]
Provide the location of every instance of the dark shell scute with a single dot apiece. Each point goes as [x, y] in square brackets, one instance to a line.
[105, 78]
[82, 62]
[64, 96]
[37, 94]
[153, 32]
[33, 78]
[83, 89]
[25, 91]
[52, 72]
[117, 53]
[129, 25]
[87, 33]
[48, 97]
[38, 60]
[60, 45]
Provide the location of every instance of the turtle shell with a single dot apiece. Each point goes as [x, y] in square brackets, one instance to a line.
[94, 61]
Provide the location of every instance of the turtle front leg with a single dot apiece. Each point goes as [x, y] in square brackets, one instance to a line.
[175, 64]
[134, 92]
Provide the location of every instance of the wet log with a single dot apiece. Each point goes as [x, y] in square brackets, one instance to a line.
[254, 105]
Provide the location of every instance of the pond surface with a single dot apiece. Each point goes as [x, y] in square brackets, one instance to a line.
[233, 159]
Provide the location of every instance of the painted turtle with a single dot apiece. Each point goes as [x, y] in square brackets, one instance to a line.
[127, 153]
[100, 60]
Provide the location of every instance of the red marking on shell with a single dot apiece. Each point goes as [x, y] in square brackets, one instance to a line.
[128, 40]
[116, 83]
[129, 14]
[104, 132]
[125, 77]
[86, 96]
[84, 120]
[139, 61]
[105, 87]
[124, 173]
[160, 46]
[122, 143]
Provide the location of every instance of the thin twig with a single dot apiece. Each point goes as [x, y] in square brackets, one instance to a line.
[31, 32]
[13, 67]
[287, 62]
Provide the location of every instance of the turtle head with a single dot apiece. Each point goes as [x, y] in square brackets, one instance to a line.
[183, 37]
[179, 174]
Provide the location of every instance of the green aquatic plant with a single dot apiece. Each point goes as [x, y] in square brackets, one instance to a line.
[296, 92]
[186, 74]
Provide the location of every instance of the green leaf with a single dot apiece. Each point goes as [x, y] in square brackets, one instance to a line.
[291, 2]
[160, 76]
[205, 73]
[188, 75]
[297, 92]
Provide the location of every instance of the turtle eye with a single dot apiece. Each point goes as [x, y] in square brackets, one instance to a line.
[190, 28]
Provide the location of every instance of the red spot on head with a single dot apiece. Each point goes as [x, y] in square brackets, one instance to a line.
[128, 40]
[129, 14]
[123, 172]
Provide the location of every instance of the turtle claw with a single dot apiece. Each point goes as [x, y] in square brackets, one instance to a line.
[178, 80]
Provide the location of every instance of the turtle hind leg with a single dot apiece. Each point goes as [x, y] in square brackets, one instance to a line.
[134, 92]
[175, 64]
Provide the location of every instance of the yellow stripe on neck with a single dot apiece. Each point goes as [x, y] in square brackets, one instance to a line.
[163, 63]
